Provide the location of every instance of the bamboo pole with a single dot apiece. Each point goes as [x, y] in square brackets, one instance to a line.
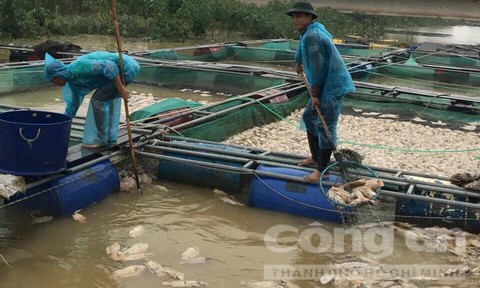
[122, 77]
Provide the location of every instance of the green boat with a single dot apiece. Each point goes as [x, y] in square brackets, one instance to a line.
[447, 55]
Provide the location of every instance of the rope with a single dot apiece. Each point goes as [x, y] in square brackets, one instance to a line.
[276, 114]
[409, 150]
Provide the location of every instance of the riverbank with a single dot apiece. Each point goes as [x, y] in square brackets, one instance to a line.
[383, 142]
[446, 9]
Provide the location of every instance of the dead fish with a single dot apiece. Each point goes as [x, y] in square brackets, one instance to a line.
[196, 260]
[79, 217]
[129, 271]
[220, 192]
[231, 201]
[164, 271]
[438, 123]
[326, 278]
[190, 253]
[261, 284]
[137, 256]
[418, 119]
[371, 113]
[357, 110]
[335, 197]
[288, 284]
[344, 194]
[113, 249]
[469, 127]
[134, 249]
[360, 201]
[161, 188]
[393, 116]
[357, 193]
[182, 283]
[366, 192]
[43, 219]
[136, 231]
[374, 184]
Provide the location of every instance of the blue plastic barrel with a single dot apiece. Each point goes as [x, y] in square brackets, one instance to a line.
[198, 175]
[294, 197]
[33, 142]
[70, 193]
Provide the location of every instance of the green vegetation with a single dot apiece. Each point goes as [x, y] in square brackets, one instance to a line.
[177, 20]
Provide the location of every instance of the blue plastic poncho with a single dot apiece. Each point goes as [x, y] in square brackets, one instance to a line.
[325, 69]
[92, 71]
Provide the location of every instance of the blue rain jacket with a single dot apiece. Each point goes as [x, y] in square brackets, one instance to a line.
[324, 68]
[89, 72]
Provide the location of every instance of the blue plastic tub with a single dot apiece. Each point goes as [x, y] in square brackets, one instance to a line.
[70, 193]
[293, 197]
[33, 142]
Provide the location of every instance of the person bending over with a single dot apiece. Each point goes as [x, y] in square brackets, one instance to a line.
[97, 71]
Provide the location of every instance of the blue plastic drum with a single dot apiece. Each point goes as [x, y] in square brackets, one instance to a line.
[33, 142]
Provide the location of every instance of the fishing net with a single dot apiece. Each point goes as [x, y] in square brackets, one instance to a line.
[348, 182]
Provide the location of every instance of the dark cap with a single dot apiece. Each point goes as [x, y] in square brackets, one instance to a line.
[302, 7]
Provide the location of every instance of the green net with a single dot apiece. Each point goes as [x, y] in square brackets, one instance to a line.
[254, 115]
[22, 78]
[162, 106]
[231, 83]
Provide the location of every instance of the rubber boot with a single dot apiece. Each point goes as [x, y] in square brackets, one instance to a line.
[324, 159]
[314, 146]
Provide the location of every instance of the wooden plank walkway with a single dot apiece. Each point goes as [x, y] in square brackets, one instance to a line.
[77, 153]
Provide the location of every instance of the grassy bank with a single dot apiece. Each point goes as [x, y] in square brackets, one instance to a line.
[180, 20]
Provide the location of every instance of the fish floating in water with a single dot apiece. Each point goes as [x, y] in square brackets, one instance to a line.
[196, 260]
[162, 271]
[182, 283]
[79, 217]
[261, 284]
[129, 271]
[134, 252]
[231, 201]
[38, 220]
[136, 231]
[190, 253]
[190, 256]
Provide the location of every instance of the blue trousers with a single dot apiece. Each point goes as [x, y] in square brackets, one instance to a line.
[103, 116]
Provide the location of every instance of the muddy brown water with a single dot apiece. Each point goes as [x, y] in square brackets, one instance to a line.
[65, 253]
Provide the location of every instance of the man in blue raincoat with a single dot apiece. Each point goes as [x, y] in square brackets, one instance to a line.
[97, 71]
[329, 81]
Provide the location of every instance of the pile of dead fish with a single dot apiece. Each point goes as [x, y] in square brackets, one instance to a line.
[383, 142]
[358, 192]
[460, 249]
